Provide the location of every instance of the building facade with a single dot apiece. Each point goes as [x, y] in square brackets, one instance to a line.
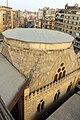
[59, 19]
[77, 42]
[10, 18]
[68, 20]
[45, 18]
[48, 62]
[6, 18]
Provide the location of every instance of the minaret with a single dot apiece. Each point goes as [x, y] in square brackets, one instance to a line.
[7, 3]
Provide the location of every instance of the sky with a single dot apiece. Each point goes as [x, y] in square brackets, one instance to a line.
[34, 5]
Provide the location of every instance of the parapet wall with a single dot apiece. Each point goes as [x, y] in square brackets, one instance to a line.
[37, 46]
[47, 94]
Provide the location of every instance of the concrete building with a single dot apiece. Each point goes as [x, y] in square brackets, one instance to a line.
[71, 19]
[47, 59]
[77, 42]
[68, 20]
[59, 19]
[45, 18]
[38, 23]
[10, 18]
[6, 18]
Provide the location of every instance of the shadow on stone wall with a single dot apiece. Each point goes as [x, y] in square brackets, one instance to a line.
[45, 113]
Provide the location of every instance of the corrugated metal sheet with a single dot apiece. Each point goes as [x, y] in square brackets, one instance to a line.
[38, 35]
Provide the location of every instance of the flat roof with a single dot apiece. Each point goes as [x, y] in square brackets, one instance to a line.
[70, 110]
[11, 80]
[38, 35]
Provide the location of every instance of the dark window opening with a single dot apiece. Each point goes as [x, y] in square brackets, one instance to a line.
[60, 75]
[33, 93]
[47, 86]
[58, 94]
[37, 91]
[29, 95]
[56, 97]
[50, 84]
[59, 69]
[64, 73]
[63, 68]
[40, 89]
[38, 108]
[69, 87]
[70, 32]
[42, 105]
[62, 64]
[56, 78]
[79, 82]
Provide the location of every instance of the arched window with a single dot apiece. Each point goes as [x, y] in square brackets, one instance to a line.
[58, 94]
[62, 64]
[56, 97]
[59, 69]
[56, 78]
[69, 87]
[40, 106]
[60, 75]
[64, 73]
[63, 68]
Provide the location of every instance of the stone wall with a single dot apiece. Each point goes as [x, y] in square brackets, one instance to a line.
[47, 94]
[50, 71]
[40, 66]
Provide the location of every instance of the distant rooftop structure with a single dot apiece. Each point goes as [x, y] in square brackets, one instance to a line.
[38, 35]
[5, 7]
[70, 110]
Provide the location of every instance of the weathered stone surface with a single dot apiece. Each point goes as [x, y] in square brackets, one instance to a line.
[40, 63]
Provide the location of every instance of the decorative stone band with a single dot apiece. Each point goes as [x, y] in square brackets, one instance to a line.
[37, 46]
[52, 84]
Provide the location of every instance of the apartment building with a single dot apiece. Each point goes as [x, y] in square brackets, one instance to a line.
[10, 18]
[72, 22]
[77, 41]
[45, 18]
[68, 20]
[59, 18]
[6, 18]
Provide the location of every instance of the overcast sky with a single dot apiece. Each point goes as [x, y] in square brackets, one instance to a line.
[34, 5]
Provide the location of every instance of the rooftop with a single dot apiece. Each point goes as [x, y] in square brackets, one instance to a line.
[70, 110]
[38, 35]
[11, 80]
